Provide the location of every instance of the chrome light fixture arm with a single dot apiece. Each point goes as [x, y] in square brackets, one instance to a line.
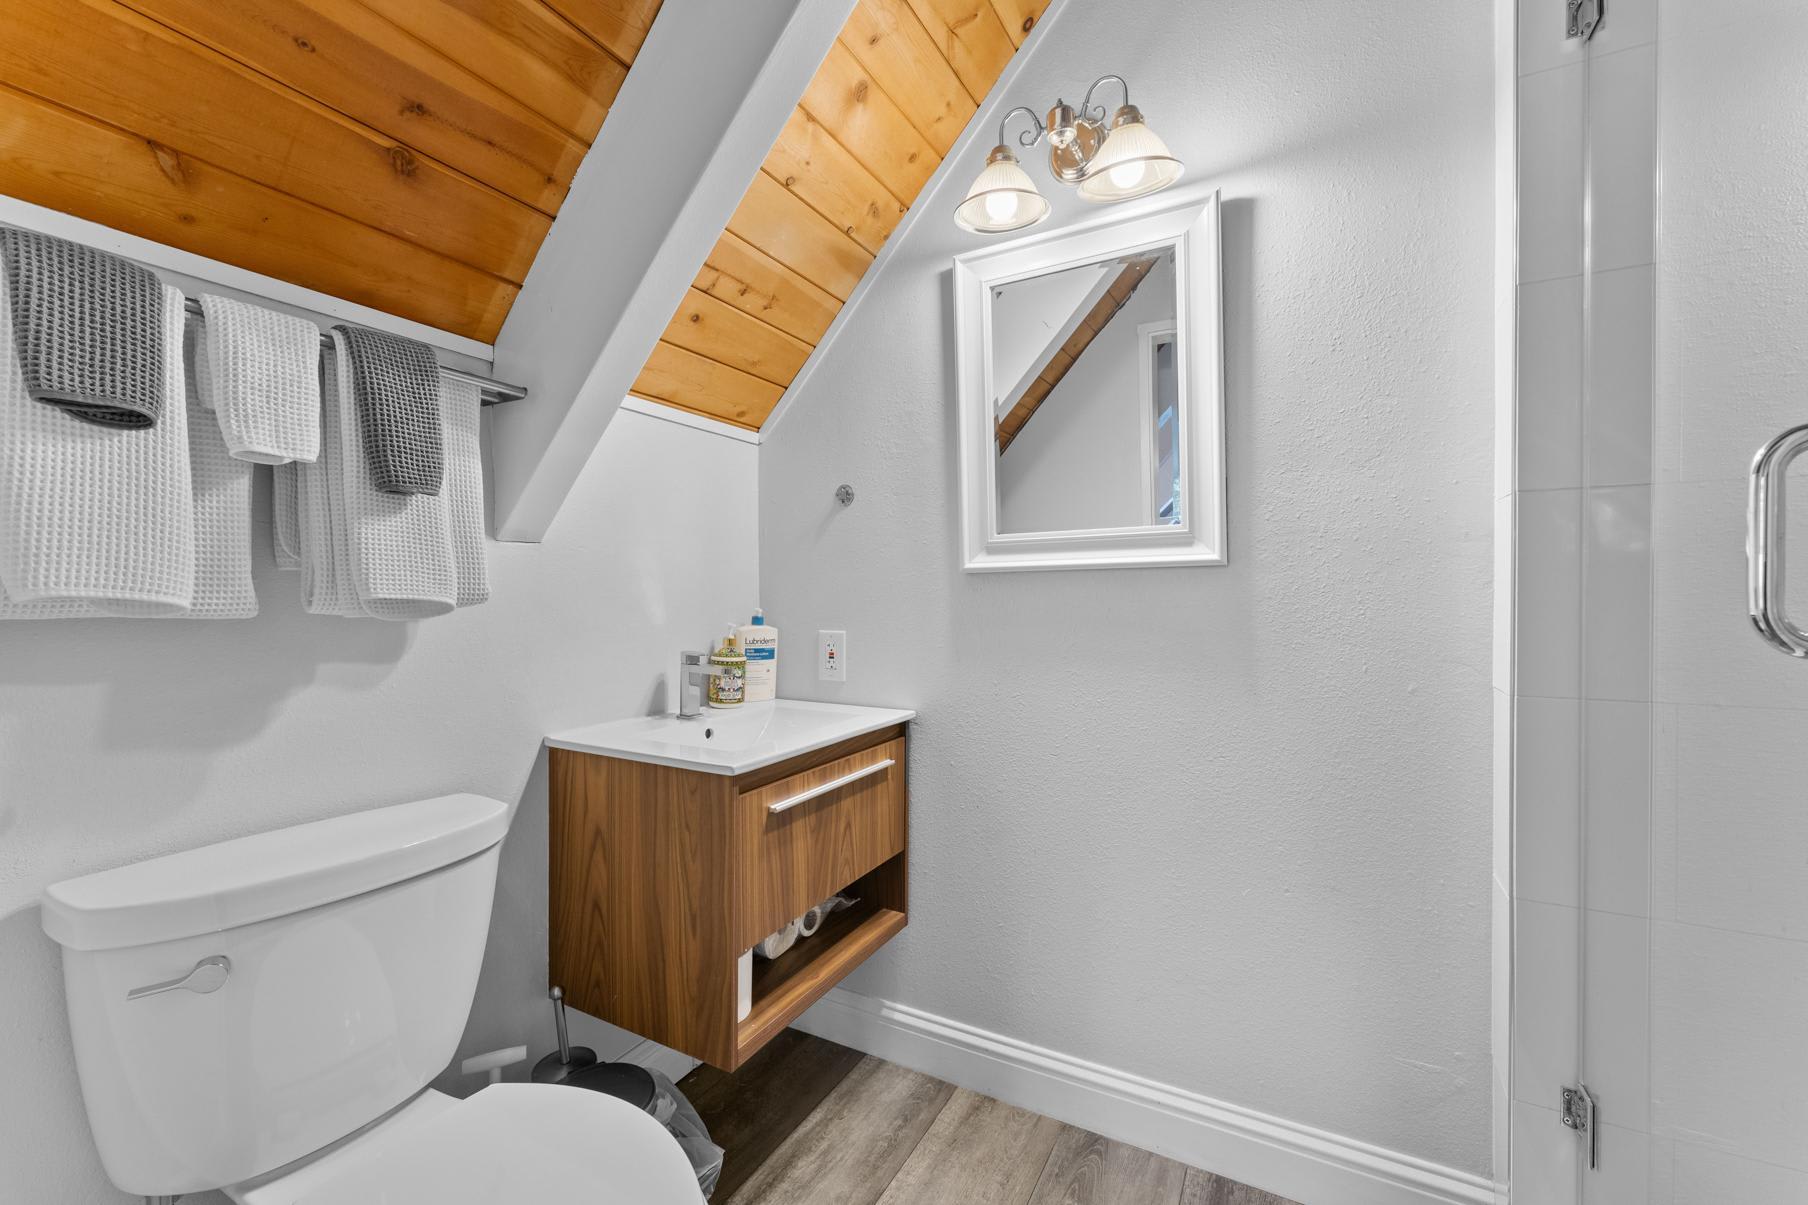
[1027, 138]
[1086, 107]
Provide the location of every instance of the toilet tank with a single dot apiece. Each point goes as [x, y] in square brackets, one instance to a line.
[354, 946]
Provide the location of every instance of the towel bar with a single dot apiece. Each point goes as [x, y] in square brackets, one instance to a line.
[494, 392]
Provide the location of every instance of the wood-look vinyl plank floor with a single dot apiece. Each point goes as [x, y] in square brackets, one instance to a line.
[1203, 1188]
[848, 1151]
[980, 1151]
[807, 1122]
[1085, 1169]
[751, 1113]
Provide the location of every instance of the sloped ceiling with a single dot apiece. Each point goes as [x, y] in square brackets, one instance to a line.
[404, 154]
[886, 106]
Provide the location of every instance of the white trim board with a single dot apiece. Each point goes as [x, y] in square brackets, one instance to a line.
[27, 216]
[684, 418]
[1296, 1161]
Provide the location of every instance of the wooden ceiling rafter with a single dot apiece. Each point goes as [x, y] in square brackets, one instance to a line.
[1115, 298]
[885, 107]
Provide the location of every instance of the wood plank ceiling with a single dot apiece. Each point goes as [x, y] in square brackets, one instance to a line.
[895, 91]
[403, 154]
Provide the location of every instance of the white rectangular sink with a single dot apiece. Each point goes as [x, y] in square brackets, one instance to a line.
[730, 740]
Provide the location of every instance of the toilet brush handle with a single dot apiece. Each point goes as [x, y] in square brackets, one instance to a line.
[558, 1020]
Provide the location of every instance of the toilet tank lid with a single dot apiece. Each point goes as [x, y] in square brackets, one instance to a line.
[268, 874]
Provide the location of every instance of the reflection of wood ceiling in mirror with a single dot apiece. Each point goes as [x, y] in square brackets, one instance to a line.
[1091, 327]
[408, 156]
[887, 104]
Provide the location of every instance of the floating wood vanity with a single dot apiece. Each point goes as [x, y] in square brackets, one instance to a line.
[670, 857]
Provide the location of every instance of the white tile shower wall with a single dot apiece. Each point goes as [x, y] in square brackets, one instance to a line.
[124, 739]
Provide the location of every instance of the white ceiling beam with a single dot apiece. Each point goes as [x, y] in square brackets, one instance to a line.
[701, 107]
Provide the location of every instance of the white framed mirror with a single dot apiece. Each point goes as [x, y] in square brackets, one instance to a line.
[1091, 394]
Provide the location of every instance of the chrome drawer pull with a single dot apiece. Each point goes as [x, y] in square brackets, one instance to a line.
[825, 788]
[208, 976]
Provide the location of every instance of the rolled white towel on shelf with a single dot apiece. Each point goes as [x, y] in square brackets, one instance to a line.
[810, 922]
[96, 519]
[261, 378]
[779, 942]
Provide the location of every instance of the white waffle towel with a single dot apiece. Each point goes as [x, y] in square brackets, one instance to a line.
[222, 486]
[285, 518]
[461, 408]
[401, 559]
[96, 514]
[326, 586]
[222, 518]
[262, 381]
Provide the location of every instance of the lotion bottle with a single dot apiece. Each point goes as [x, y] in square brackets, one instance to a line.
[729, 689]
[759, 644]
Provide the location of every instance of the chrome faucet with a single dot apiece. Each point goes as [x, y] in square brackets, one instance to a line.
[694, 670]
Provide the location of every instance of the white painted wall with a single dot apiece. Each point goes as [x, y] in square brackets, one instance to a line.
[1079, 461]
[124, 739]
[1224, 828]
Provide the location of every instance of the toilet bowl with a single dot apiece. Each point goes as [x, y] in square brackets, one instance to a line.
[264, 1015]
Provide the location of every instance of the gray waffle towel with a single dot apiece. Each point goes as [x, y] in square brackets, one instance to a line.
[395, 382]
[88, 327]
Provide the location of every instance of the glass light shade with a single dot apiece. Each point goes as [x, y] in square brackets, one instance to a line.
[1002, 198]
[1134, 162]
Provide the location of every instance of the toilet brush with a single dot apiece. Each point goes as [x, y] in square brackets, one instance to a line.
[567, 1060]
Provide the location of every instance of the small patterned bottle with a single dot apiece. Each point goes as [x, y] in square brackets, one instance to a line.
[729, 689]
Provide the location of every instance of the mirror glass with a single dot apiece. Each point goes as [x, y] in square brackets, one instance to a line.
[1085, 393]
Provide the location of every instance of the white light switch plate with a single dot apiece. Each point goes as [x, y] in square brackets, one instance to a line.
[831, 656]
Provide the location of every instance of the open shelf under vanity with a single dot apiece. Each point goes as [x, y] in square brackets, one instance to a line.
[661, 877]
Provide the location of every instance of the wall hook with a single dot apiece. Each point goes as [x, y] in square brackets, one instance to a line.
[844, 494]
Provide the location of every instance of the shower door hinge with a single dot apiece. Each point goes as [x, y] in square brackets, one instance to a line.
[1584, 17]
[1579, 1114]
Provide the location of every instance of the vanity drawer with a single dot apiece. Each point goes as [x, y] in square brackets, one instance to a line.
[805, 836]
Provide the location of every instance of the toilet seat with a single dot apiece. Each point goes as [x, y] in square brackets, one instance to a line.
[508, 1143]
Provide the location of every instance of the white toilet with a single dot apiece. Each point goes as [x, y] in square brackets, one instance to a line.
[263, 1016]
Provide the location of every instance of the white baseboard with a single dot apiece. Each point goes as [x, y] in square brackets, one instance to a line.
[1295, 1161]
[654, 1057]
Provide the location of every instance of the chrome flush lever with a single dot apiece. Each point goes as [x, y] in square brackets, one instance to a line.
[208, 976]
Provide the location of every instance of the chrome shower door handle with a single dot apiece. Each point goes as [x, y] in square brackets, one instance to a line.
[1764, 542]
[208, 976]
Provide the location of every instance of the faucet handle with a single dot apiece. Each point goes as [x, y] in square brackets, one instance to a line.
[689, 657]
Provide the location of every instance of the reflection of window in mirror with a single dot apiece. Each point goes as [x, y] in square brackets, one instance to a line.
[1086, 394]
[1161, 451]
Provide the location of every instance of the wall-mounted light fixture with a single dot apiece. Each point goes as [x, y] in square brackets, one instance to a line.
[1112, 162]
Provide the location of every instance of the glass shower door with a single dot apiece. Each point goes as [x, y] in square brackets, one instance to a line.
[1693, 942]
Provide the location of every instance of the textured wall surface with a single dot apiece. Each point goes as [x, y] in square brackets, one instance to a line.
[120, 740]
[1227, 828]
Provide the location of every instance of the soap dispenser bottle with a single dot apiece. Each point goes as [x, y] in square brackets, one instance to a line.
[759, 644]
[728, 689]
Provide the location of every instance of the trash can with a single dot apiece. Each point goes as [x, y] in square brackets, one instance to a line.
[660, 1097]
